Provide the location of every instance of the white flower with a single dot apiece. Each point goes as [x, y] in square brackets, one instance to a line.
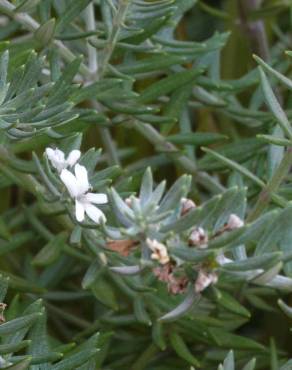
[78, 187]
[199, 238]
[159, 251]
[58, 160]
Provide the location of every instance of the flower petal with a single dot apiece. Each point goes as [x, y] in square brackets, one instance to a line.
[55, 154]
[79, 211]
[57, 158]
[70, 182]
[98, 198]
[50, 153]
[95, 214]
[82, 179]
[73, 157]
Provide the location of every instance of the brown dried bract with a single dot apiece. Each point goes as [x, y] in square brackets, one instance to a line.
[175, 284]
[2, 309]
[162, 273]
[123, 247]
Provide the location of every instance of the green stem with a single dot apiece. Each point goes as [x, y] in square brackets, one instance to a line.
[111, 44]
[99, 71]
[272, 186]
[255, 29]
[90, 26]
[108, 142]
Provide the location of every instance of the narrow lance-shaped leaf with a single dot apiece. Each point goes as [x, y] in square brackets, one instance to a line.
[191, 299]
[274, 105]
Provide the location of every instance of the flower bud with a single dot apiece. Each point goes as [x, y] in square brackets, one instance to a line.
[198, 238]
[186, 206]
[128, 202]
[234, 222]
[45, 33]
[205, 279]
[159, 251]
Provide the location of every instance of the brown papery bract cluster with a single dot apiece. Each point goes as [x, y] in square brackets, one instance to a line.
[175, 284]
[2, 309]
[123, 247]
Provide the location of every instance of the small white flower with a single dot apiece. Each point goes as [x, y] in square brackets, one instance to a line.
[234, 222]
[58, 160]
[78, 187]
[198, 238]
[205, 279]
[159, 251]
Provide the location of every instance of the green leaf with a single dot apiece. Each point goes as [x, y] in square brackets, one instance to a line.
[286, 81]
[285, 308]
[178, 190]
[231, 304]
[22, 365]
[105, 293]
[279, 228]
[152, 64]
[287, 366]
[181, 348]
[146, 187]
[51, 251]
[185, 306]
[229, 340]
[17, 241]
[75, 360]
[140, 311]
[4, 59]
[92, 273]
[268, 275]
[158, 335]
[270, 139]
[198, 138]
[18, 324]
[168, 84]
[73, 9]
[274, 105]
[252, 263]
[228, 363]
[191, 254]
[226, 238]
[242, 150]
[26, 5]
[250, 365]
[229, 163]
[13, 347]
